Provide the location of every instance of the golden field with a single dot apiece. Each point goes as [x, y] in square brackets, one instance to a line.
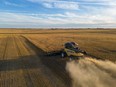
[97, 43]
[22, 59]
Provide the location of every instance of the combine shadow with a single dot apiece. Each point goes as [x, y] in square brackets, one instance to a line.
[23, 62]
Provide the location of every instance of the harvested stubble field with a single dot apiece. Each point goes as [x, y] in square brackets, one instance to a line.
[20, 65]
[22, 60]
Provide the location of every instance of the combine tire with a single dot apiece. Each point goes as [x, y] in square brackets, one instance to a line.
[63, 54]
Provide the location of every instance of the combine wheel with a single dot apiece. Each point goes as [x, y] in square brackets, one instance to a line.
[63, 54]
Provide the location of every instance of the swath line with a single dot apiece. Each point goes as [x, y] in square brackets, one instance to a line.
[27, 77]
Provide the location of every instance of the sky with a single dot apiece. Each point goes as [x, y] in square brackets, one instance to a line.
[57, 13]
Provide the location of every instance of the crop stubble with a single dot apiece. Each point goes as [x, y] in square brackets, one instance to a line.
[20, 65]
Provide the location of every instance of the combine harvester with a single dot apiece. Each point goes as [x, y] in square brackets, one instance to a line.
[72, 51]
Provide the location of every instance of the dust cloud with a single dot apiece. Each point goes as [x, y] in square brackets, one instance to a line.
[90, 72]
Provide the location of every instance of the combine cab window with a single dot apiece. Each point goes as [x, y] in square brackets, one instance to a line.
[68, 46]
[71, 46]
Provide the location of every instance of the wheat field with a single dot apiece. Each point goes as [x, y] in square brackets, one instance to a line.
[22, 54]
[97, 43]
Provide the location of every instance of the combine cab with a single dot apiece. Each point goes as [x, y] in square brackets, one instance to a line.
[71, 49]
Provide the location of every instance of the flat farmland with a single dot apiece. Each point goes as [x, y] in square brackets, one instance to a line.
[20, 65]
[23, 62]
[98, 43]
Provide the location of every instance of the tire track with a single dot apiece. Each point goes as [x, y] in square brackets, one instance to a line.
[21, 78]
[26, 74]
[35, 73]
